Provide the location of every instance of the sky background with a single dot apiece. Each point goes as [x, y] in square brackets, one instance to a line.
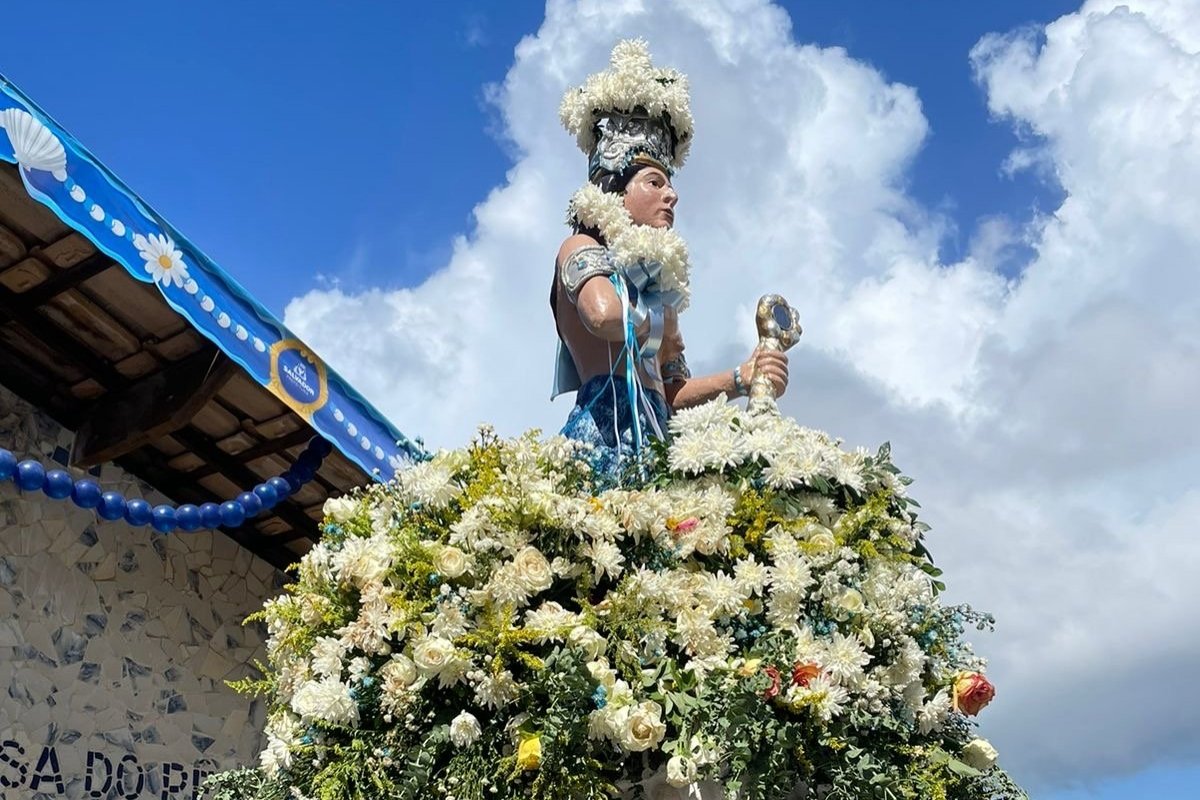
[985, 213]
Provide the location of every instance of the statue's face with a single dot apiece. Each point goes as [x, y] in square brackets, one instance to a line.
[650, 198]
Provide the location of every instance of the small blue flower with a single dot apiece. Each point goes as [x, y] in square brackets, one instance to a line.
[600, 697]
[434, 579]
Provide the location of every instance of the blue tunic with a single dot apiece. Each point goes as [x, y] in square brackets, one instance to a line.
[602, 418]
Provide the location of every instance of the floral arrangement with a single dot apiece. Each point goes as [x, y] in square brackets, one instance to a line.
[631, 82]
[754, 617]
[630, 243]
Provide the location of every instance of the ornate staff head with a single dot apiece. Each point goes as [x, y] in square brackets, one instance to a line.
[778, 329]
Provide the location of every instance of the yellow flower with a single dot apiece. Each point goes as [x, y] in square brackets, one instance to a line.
[749, 668]
[529, 752]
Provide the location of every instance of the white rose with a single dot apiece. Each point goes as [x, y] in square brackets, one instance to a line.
[339, 509]
[823, 540]
[432, 654]
[589, 641]
[681, 771]
[401, 669]
[643, 727]
[533, 570]
[850, 601]
[450, 562]
[979, 754]
[464, 730]
[602, 674]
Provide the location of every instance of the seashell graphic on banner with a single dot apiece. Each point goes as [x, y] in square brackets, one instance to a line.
[35, 146]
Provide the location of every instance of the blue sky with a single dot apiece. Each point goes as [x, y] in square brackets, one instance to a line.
[303, 146]
[248, 125]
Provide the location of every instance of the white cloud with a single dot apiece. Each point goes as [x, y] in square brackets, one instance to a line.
[1048, 418]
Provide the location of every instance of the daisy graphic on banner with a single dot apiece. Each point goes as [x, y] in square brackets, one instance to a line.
[675, 597]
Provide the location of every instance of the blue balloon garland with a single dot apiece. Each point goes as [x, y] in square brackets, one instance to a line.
[31, 476]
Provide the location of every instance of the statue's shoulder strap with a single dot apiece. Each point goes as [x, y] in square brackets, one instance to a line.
[583, 263]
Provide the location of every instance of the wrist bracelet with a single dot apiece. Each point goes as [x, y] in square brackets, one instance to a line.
[738, 385]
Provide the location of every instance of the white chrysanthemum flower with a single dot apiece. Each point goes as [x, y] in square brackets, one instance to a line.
[688, 454]
[551, 621]
[327, 656]
[934, 713]
[473, 526]
[606, 559]
[506, 588]
[449, 622]
[790, 574]
[716, 414]
[827, 698]
[845, 658]
[465, 729]
[722, 595]
[429, 483]
[363, 560]
[282, 732]
[751, 576]
[908, 665]
[496, 691]
[327, 700]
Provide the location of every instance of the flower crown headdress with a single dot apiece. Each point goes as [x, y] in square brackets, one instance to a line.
[630, 110]
[633, 112]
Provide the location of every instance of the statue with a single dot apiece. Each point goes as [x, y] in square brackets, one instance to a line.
[621, 277]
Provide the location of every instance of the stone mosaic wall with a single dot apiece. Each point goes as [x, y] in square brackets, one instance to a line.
[115, 642]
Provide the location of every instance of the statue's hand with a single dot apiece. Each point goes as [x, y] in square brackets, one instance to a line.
[773, 364]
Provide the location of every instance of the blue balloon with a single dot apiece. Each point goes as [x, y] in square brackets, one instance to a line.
[112, 506]
[31, 475]
[250, 502]
[320, 446]
[138, 512]
[210, 516]
[8, 464]
[267, 495]
[232, 514]
[306, 462]
[188, 517]
[282, 487]
[302, 474]
[85, 493]
[163, 519]
[58, 484]
[294, 483]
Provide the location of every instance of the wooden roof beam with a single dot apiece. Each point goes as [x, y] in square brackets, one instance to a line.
[152, 407]
[269, 447]
[14, 307]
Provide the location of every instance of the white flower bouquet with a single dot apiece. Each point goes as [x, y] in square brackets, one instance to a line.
[756, 617]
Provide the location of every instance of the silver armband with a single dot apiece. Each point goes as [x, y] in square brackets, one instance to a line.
[676, 370]
[584, 263]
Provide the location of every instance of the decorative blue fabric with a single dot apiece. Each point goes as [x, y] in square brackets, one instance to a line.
[602, 417]
[58, 172]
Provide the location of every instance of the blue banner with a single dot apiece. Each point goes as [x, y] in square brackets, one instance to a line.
[60, 173]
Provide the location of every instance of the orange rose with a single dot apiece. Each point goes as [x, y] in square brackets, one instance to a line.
[803, 673]
[972, 692]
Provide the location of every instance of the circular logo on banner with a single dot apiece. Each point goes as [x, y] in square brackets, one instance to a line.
[298, 377]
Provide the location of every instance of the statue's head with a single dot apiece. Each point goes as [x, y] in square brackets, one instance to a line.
[634, 122]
